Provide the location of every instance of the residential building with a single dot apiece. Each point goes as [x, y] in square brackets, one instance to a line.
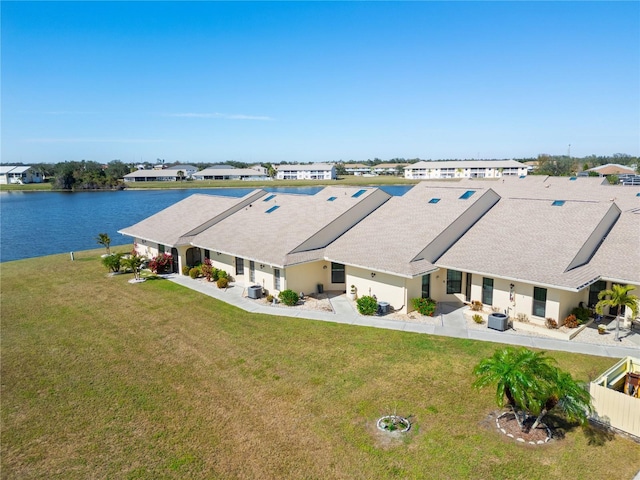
[465, 169]
[612, 169]
[155, 175]
[188, 170]
[314, 171]
[19, 174]
[230, 173]
[533, 247]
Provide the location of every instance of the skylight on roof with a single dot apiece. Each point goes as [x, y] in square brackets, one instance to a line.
[573, 179]
[522, 176]
[331, 199]
[467, 194]
[558, 203]
[434, 200]
[638, 194]
[358, 193]
[275, 207]
[269, 198]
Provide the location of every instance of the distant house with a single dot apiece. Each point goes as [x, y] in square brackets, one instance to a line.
[230, 173]
[315, 171]
[387, 168]
[465, 169]
[19, 174]
[612, 169]
[357, 169]
[165, 175]
[188, 170]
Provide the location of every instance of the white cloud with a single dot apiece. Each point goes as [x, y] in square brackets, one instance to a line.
[220, 115]
[92, 140]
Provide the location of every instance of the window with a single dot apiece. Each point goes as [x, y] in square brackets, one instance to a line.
[276, 279]
[434, 200]
[594, 290]
[252, 271]
[539, 301]
[487, 291]
[558, 203]
[207, 254]
[426, 286]
[275, 207]
[269, 198]
[337, 273]
[454, 281]
[467, 194]
[239, 266]
[160, 249]
[358, 193]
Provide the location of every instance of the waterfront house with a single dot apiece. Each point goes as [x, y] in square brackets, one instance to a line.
[19, 174]
[230, 173]
[533, 247]
[314, 171]
[465, 169]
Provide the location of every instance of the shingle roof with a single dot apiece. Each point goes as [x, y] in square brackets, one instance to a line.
[169, 225]
[531, 240]
[272, 237]
[390, 238]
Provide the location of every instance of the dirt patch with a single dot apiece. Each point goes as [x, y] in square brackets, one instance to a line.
[507, 425]
[318, 302]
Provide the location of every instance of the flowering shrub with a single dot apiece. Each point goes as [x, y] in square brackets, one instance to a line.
[161, 263]
[571, 321]
[551, 323]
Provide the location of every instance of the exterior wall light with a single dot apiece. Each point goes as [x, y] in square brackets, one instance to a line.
[373, 274]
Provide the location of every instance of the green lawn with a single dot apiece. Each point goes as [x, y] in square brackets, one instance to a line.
[105, 379]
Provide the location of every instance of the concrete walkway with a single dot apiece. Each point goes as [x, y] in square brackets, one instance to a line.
[452, 324]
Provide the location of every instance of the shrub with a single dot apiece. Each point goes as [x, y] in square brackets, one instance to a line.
[476, 305]
[571, 321]
[367, 305]
[209, 271]
[112, 262]
[288, 297]
[551, 323]
[222, 274]
[522, 317]
[222, 283]
[160, 263]
[478, 318]
[194, 272]
[425, 306]
[185, 270]
[582, 314]
[270, 298]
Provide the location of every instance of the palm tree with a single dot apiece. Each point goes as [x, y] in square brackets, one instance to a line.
[103, 239]
[619, 296]
[134, 262]
[180, 174]
[520, 377]
[568, 395]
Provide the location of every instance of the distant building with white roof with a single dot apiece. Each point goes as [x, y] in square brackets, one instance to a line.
[465, 169]
[19, 174]
[314, 171]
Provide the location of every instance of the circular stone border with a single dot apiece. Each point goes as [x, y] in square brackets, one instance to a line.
[522, 440]
[399, 419]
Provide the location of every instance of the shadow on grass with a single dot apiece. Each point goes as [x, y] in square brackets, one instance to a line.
[596, 435]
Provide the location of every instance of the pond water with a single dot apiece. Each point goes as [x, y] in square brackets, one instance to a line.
[34, 224]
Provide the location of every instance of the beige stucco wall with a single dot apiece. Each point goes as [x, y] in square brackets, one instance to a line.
[386, 287]
[306, 277]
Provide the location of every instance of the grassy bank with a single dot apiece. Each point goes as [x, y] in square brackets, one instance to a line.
[105, 379]
[346, 180]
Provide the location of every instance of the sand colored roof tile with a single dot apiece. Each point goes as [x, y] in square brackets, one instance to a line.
[531, 240]
[390, 238]
[169, 225]
[618, 258]
[270, 238]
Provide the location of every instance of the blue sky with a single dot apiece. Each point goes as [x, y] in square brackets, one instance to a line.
[317, 81]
